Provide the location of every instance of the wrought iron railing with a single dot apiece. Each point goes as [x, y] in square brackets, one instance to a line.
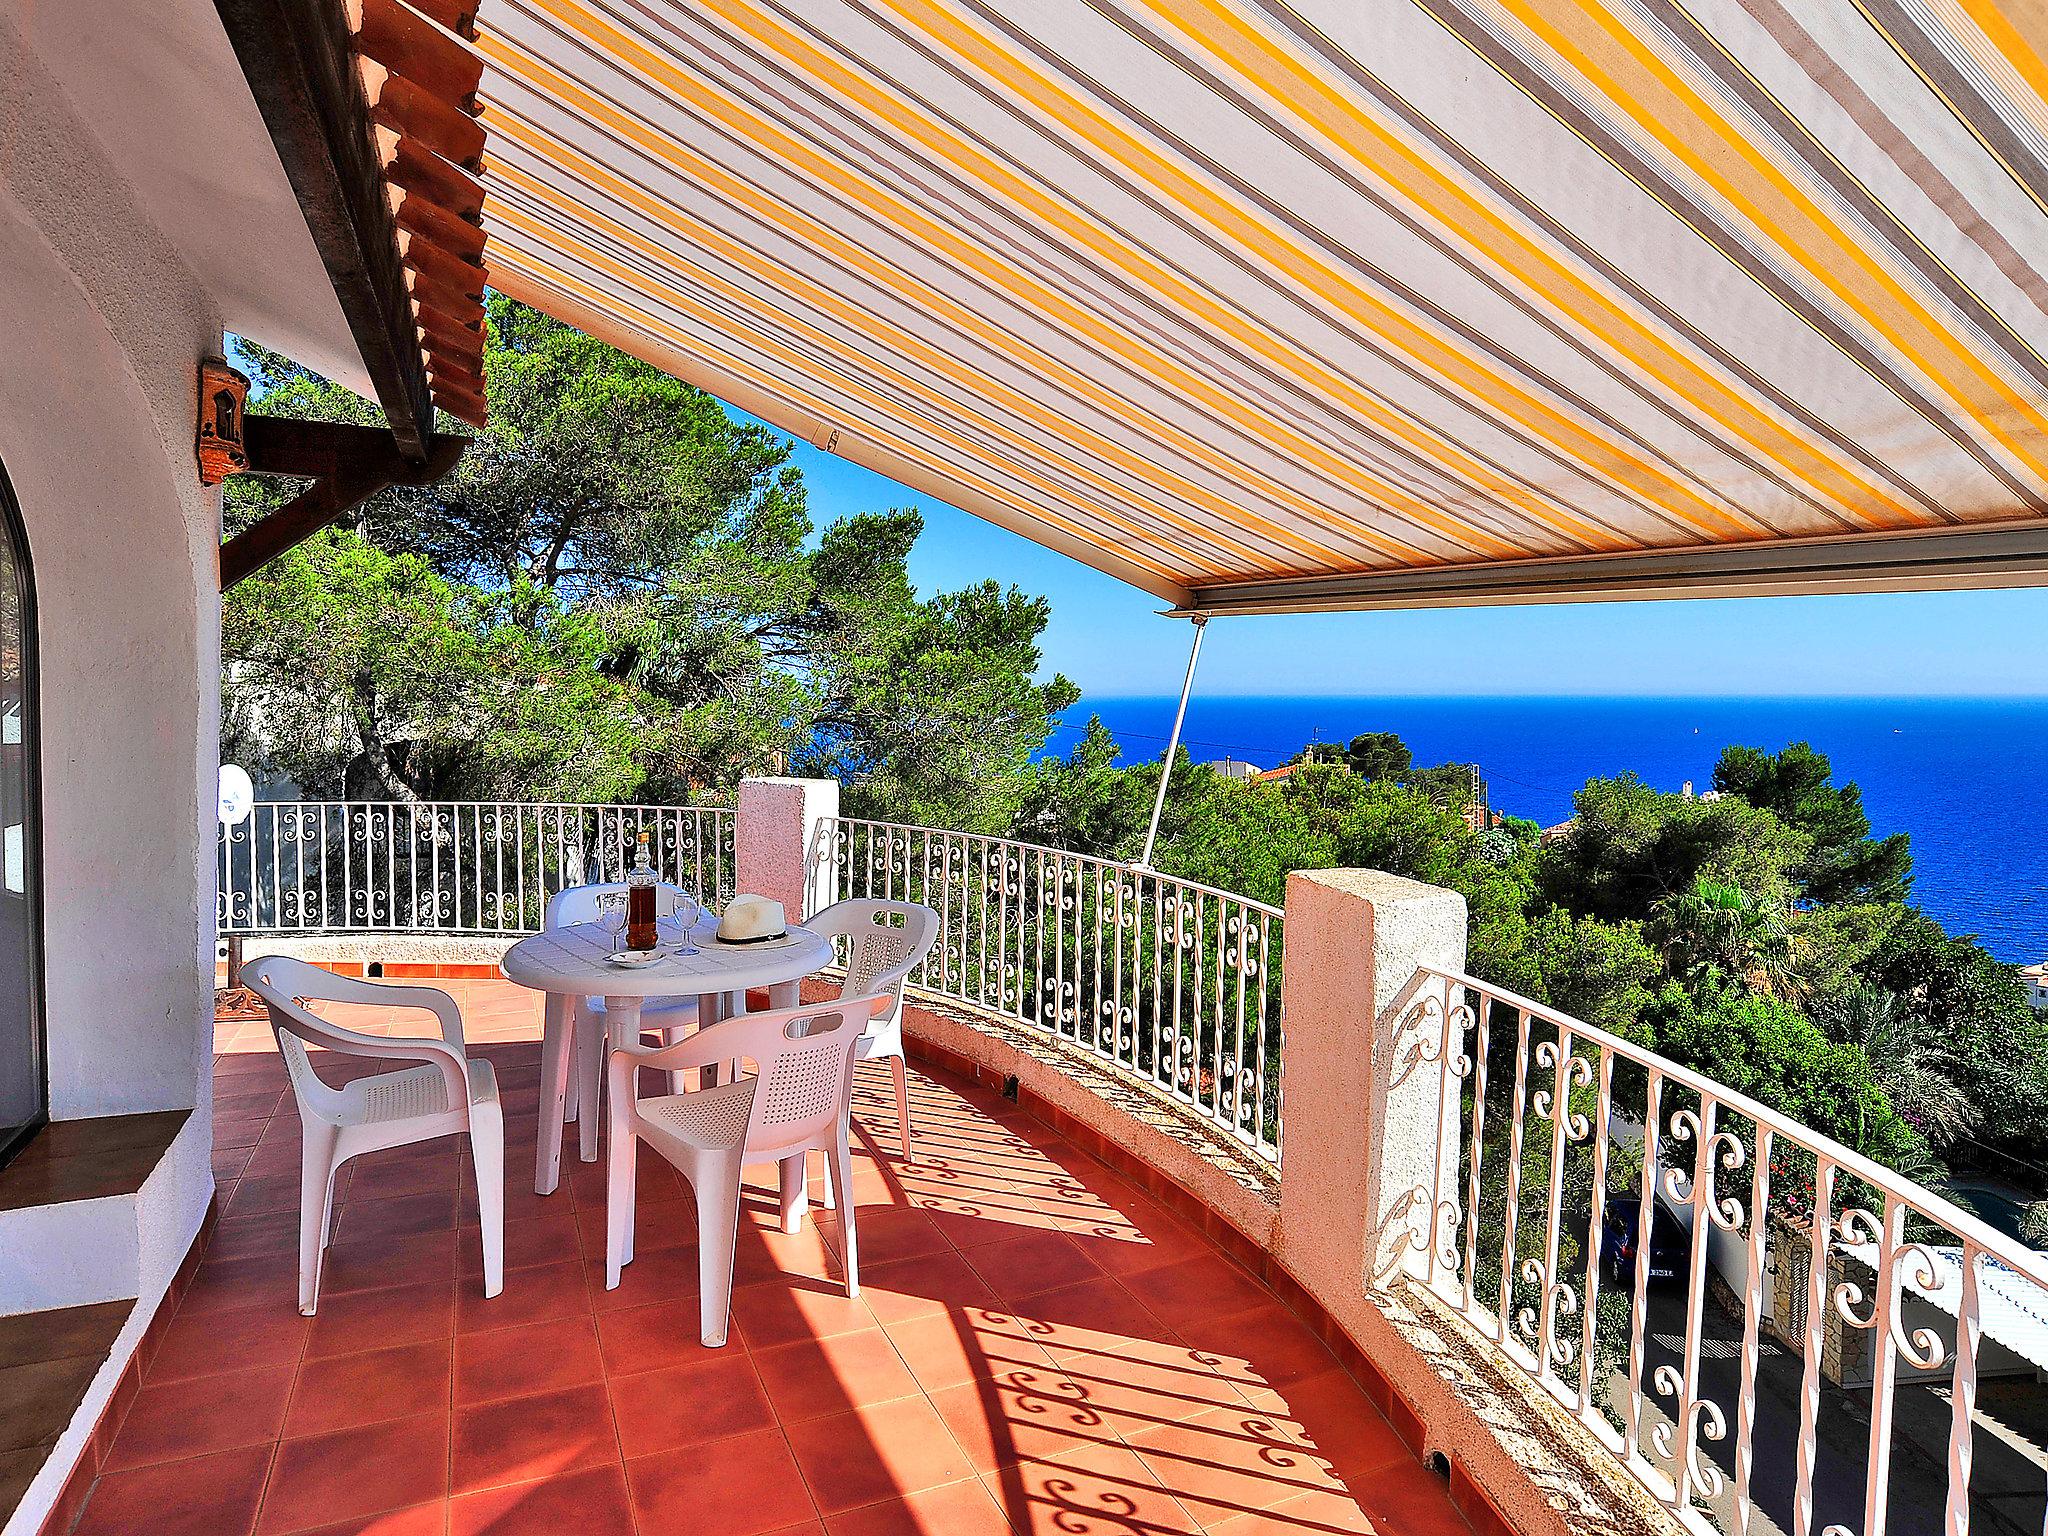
[1176, 982]
[1817, 1361]
[453, 867]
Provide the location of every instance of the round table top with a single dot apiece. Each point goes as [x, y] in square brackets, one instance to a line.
[572, 960]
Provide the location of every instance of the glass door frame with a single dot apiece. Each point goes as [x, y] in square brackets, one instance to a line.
[12, 1140]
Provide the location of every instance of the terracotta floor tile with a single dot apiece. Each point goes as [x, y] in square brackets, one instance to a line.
[1229, 1462]
[260, 1194]
[1104, 1492]
[545, 1239]
[1151, 1239]
[201, 1496]
[523, 1439]
[321, 1480]
[788, 1310]
[1122, 1320]
[1312, 1514]
[1264, 1347]
[825, 1376]
[343, 1391]
[648, 1338]
[1021, 1415]
[878, 1453]
[1040, 1261]
[951, 1348]
[256, 1236]
[1331, 1416]
[536, 1295]
[378, 1263]
[589, 1503]
[1407, 1499]
[921, 1286]
[1197, 1289]
[265, 1336]
[669, 1275]
[1136, 1392]
[416, 1520]
[761, 1256]
[172, 1420]
[958, 1509]
[1100, 1316]
[512, 1362]
[888, 1233]
[404, 1314]
[399, 1216]
[715, 1397]
[225, 1285]
[751, 1488]
[382, 1176]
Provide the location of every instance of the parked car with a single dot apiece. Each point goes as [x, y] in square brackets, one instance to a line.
[1670, 1240]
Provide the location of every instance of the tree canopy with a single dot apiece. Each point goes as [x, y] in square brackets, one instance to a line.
[619, 592]
[1761, 936]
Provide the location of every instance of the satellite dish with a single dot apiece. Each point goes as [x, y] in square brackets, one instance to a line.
[237, 795]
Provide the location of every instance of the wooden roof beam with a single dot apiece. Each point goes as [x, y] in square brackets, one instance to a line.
[297, 58]
[347, 464]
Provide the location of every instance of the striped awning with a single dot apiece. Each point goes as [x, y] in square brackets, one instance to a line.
[1260, 304]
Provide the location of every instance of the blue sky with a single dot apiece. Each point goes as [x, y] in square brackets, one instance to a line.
[1110, 639]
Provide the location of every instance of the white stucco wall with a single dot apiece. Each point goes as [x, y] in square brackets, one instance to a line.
[103, 326]
[104, 329]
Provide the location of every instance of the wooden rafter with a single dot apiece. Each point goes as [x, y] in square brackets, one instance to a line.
[372, 106]
[299, 62]
[347, 465]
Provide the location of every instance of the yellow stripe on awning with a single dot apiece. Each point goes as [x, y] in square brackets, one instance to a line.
[1276, 304]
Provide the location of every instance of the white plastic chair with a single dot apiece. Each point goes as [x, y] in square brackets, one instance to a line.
[451, 1092]
[670, 1017]
[885, 942]
[796, 1098]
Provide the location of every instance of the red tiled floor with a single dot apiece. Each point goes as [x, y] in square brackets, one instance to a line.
[525, 1438]
[851, 1459]
[957, 1509]
[590, 1503]
[173, 1421]
[1037, 1347]
[749, 1487]
[204, 1496]
[352, 1472]
[344, 1391]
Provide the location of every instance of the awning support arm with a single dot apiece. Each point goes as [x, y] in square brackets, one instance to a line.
[1201, 622]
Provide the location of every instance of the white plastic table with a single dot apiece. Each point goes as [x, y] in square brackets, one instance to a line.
[569, 963]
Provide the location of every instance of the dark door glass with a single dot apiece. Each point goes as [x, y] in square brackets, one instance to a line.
[23, 1083]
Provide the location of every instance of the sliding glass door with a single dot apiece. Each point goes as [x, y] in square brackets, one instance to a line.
[24, 1088]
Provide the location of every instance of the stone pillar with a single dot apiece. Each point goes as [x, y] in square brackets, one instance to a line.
[1369, 1117]
[779, 828]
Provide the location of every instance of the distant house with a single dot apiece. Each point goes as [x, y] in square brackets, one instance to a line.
[1274, 775]
[2036, 978]
[1236, 768]
[1558, 833]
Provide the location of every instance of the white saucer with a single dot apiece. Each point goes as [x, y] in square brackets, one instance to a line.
[634, 959]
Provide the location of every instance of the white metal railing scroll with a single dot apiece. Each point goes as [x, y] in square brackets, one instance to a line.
[1173, 981]
[454, 867]
[1816, 1363]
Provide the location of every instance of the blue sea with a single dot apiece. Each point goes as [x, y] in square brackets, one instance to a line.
[1965, 777]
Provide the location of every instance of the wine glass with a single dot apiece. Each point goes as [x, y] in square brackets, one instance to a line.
[612, 917]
